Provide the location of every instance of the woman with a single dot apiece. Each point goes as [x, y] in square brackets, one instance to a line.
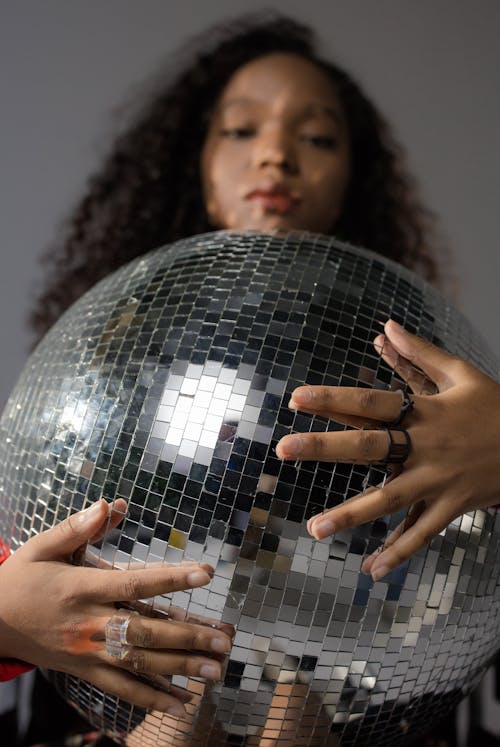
[258, 133]
[365, 198]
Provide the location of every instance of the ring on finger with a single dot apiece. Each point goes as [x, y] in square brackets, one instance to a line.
[407, 405]
[399, 446]
[115, 633]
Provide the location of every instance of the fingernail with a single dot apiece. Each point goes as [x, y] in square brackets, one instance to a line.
[292, 446]
[367, 563]
[208, 569]
[323, 528]
[89, 513]
[303, 395]
[220, 645]
[292, 405]
[198, 578]
[396, 327]
[210, 671]
[316, 518]
[380, 572]
[176, 711]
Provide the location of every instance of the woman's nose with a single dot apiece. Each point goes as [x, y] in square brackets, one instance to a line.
[274, 149]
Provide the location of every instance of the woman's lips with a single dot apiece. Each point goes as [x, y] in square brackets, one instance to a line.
[277, 200]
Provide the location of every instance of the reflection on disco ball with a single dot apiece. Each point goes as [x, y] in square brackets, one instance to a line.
[168, 384]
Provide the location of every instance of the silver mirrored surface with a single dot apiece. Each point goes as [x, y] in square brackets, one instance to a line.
[167, 384]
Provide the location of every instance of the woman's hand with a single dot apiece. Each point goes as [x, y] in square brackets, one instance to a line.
[53, 614]
[454, 462]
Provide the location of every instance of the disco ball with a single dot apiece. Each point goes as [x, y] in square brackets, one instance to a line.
[167, 384]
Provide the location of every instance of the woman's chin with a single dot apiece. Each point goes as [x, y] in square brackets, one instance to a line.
[271, 223]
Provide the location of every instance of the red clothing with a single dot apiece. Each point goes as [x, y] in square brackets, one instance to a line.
[10, 668]
[4, 552]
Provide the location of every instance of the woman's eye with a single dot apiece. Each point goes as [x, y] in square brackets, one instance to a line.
[321, 141]
[237, 133]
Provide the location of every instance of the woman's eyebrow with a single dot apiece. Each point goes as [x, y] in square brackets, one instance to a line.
[317, 108]
[312, 109]
[240, 101]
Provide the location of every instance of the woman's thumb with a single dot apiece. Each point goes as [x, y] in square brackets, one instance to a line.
[60, 542]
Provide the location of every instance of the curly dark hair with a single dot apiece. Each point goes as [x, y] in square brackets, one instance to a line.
[148, 191]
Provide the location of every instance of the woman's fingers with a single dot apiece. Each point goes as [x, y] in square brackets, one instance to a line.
[72, 534]
[418, 381]
[155, 661]
[156, 647]
[119, 682]
[366, 446]
[164, 610]
[60, 542]
[163, 634]
[430, 523]
[366, 405]
[127, 586]
[116, 513]
[434, 362]
[414, 513]
[392, 497]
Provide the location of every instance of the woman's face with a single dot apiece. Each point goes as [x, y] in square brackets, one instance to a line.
[276, 154]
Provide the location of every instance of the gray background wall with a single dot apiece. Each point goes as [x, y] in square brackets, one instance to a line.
[431, 65]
